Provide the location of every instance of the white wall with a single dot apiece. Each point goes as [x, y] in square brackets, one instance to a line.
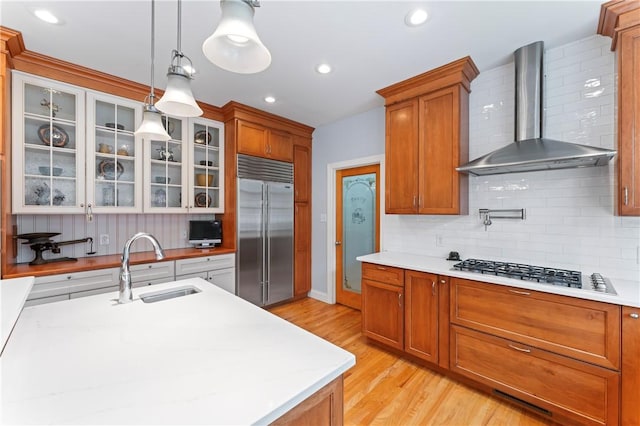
[356, 137]
[570, 213]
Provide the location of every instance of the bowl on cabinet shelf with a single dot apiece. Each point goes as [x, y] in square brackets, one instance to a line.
[204, 180]
[162, 179]
[206, 163]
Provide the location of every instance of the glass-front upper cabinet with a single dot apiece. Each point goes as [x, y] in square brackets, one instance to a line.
[114, 155]
[165, 169]
[48, 146]
[206, 177]
[186, 173]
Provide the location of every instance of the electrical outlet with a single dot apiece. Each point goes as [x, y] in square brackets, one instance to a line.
[438, 240]
[184, 234]
[104, 239]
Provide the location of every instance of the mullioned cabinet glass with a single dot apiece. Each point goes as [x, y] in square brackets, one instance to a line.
[48, 146]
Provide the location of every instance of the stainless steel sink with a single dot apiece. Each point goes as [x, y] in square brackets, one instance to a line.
[157, 296]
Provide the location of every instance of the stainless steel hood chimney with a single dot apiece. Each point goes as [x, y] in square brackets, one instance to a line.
[530, 151]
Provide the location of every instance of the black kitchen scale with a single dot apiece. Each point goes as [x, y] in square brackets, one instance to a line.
[41, 242]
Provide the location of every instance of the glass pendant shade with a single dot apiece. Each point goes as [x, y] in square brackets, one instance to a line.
[235, 45]
[178, 99]
[151, 127]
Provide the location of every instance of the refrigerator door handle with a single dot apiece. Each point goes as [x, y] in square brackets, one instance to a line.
[265, 244]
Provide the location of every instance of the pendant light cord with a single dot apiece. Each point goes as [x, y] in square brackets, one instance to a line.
[153, 27]
[179, 31]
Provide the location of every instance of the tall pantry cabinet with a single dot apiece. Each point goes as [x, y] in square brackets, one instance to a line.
[427, 137]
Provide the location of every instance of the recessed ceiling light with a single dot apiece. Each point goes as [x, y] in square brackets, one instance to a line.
[323, 68]
[269, 99]
[416, 17]
[46, 16]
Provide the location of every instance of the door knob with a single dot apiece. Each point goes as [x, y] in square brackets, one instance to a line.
[338, 243]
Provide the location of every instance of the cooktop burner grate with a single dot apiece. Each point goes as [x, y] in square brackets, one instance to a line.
[540, 274]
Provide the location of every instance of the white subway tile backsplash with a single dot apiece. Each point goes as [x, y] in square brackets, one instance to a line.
[570, 221]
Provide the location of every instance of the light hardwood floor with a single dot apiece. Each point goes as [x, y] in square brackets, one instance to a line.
[385, 389]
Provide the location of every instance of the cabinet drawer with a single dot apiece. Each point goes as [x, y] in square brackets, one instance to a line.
[53, 285]
[575, 389]
[223, 278]
[153, 272]
[581, 329]
[93, 292]
[383, 274]
[43, 300]
[204, 264]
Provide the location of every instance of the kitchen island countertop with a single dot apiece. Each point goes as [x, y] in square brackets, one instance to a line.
[205, 358]
[628, 291]
[13, 294]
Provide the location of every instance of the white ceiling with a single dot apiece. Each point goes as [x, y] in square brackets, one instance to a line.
[366, 42]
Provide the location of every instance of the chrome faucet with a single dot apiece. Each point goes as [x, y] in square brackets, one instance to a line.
[125, 295]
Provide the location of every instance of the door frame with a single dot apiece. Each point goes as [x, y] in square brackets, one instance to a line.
[332, 168]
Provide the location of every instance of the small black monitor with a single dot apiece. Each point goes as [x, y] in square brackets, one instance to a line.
[205, 233]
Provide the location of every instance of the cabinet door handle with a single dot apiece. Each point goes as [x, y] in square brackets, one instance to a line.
[520, 349]
[634, 315]
[420, 201]
[433, 288]
[399, 299]
[414, 201]
[626, 196]
[524, 293]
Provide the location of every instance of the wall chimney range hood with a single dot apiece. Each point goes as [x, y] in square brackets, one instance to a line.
[530, 151]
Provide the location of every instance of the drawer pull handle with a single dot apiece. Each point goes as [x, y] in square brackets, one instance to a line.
[524, 293]
[634, 315]
[520, 349]
[381, 268]
[443, 281]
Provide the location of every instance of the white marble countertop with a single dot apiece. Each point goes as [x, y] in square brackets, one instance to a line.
[13, 294]
[205, 358]
[628, 291]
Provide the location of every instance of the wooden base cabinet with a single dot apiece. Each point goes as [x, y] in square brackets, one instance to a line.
[578, 328]
[545, 382]
[383, 304]
[630, 395]
[421, 315]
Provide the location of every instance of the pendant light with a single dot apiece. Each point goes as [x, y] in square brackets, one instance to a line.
[235, 46]
[178, 99]
[151, 127]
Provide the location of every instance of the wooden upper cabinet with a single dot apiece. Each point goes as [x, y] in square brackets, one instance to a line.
[629, 122]
[620, 20]
[260, 141]
[302, 172]
[401, 190]
[427, 137]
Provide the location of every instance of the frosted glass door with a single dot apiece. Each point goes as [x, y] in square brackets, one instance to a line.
[357, 228]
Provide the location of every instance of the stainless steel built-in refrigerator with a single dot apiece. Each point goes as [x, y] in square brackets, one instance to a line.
[265, 230]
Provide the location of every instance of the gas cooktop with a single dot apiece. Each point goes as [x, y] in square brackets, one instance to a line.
[541, 274]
